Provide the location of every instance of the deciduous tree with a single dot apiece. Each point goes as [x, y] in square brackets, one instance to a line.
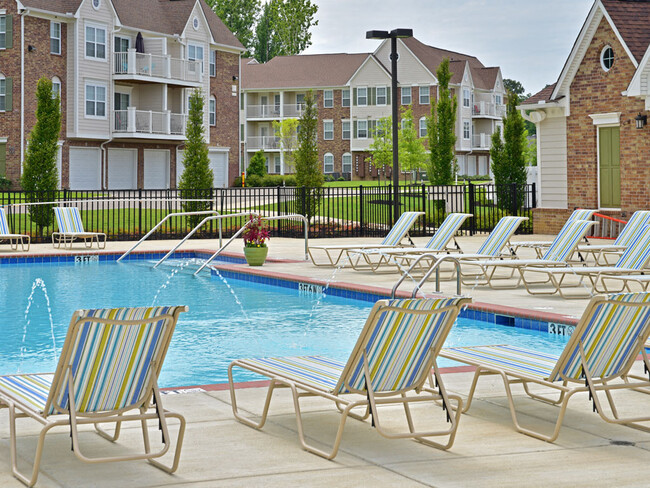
[240, 17]
[412, 154]
[287, 132]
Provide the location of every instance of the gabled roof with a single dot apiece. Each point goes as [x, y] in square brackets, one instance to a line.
[301, 71]
[544, 95]
[56, 6]
[632, 19]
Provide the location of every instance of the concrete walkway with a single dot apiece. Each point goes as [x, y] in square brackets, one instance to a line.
[220, 452]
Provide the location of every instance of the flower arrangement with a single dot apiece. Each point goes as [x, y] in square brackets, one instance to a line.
[256, 233]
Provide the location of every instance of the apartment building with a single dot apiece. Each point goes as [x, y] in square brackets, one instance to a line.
[124, 70]
[354, 91]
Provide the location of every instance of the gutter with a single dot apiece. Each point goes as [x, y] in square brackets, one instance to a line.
[22, 88]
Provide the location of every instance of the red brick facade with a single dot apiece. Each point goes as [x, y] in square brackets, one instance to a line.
[337, 146]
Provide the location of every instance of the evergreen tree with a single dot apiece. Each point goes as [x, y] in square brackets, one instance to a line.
[308, 170]
[441, 128]
[40, 176]
[257, 165]
[196, 180]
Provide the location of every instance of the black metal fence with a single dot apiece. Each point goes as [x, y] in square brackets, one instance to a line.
[335, 211]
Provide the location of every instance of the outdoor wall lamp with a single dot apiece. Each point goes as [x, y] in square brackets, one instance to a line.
[641, 120]
[31, 48]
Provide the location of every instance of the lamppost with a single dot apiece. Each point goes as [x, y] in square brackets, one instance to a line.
[393, 36]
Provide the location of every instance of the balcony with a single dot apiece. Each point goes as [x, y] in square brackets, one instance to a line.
[154, 68]
[148, 124]
[488, 109]
[290, 110]
[481, 141]
[255, 143]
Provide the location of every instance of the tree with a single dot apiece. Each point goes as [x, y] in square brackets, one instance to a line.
[196, 180]
[412, 154]
[509, 162]
[381, 148]
[517, 88]
[287, 132]
[308, 171]
[257, 165]
[240, 17]
[40, 176]
[441, 127]
[283, 28]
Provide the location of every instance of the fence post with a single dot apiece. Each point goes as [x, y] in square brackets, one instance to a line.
[140, 212]
[360, 207]
[424, 207]
[513, 206]
[471, 202]
[534, 198]
[303, 197]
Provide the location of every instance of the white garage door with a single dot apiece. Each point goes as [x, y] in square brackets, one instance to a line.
[218, 163]
[156, 169]
[122, 169]
[85, 167]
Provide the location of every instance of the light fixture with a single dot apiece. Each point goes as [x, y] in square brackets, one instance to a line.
[31, 48]
[641, 121]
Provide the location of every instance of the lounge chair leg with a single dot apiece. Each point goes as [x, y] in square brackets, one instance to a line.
[116, 434]
[235, 409]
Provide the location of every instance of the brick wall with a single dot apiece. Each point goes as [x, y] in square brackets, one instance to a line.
[10, 121]
[337, 147]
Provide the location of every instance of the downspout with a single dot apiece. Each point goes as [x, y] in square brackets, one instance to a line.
[22, 88]
[239, 131]
[105, 161]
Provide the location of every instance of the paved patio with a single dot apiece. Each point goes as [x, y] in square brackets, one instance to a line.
[220, 452]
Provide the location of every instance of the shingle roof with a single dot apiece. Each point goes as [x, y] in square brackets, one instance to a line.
[301, 71]
[544, 95]
[59, 6]
[631, 18]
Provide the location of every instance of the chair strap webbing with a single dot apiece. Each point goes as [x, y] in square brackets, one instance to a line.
[445, 407]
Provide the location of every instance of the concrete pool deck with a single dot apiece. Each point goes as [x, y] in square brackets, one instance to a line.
[221, 452]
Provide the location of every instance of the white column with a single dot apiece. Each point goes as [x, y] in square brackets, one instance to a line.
[131, 61]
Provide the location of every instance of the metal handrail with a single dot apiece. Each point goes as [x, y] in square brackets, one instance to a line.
[191, 233]
[177, 214]
[277, 217]
[434, 267]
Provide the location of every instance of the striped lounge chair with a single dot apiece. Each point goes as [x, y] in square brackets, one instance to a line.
[597, 359]
[7, 235]
[557, 255]
[374, 258]
[71, 228]
[394, 238]
[390, 364]
[107, 372]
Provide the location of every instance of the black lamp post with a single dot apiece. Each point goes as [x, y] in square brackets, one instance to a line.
[393, 36]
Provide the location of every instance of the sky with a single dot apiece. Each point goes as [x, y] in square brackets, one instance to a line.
[529, 39]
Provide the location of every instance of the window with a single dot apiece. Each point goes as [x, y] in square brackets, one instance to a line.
[362, 129]
[345, 130]
[466, 97]
[423, 127]
[95, 42]
[328, 130]
[3, 31]
[381, 95]
[213, 63]
[345, 97]
[56, 87]
[95, 100]
[121, 44]
[328, 163]
[607, 58]
[195, 53]
[328, 98]
[346, 163]
[277, 162]
[300, 102]
[362, 96]
[96, 4]
[213, 111]
[406, 95]
[3, 95]
[55, 38]
[466, 130]
[195, 23]
[497, 99]
[424, 95]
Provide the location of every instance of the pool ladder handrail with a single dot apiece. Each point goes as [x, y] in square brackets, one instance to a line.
[277, 217]
[434, 267]
[175, 214]
[219, 218]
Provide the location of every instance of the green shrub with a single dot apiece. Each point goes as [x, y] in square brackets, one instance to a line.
[253, 181]
[5, 183]
[272, 180]
[237, 182]
[341, 178]
[257, 165]
[290, 180]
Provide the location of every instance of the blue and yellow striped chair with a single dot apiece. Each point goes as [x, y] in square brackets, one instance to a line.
[598, 357]
[393, 239]
[71, 228]
[390, 364]
[637, 222]
[107, 372]
[7, 235]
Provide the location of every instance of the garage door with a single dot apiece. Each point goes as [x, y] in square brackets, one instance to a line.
[219, 165]
[156, 169]
[122, 169]
[85, 168]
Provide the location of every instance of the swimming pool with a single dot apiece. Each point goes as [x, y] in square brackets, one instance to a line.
[228, 318]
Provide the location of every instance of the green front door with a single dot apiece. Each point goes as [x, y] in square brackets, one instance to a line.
[610, 167]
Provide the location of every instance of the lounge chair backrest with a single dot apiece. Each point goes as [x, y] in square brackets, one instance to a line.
[113, 355]
[69, 220]
[581, 214]
[4, 225]
[500, 236]
[567, 240]
[401, 228]
[638, 221]
[611, 331]
[401, 338]
[637, 254]
[446, 231]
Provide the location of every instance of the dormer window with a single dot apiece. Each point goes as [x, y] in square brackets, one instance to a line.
[607, 58]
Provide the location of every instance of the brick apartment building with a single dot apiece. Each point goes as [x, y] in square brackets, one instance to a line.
[354, 91]
[124, 70]
[590, 152]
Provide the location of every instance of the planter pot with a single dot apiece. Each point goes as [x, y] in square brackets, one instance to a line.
[255, 256]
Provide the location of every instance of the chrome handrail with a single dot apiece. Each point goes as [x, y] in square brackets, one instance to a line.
[434, 267]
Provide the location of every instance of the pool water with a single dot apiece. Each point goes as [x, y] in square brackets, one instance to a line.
[228, 319]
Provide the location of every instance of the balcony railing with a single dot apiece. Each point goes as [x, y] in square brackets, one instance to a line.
[263, 142]
[132, 121]
[273, 111]
[488, 109]
[481, 141]
[155, 66]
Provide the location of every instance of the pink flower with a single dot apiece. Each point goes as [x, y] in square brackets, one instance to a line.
[255, 233]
